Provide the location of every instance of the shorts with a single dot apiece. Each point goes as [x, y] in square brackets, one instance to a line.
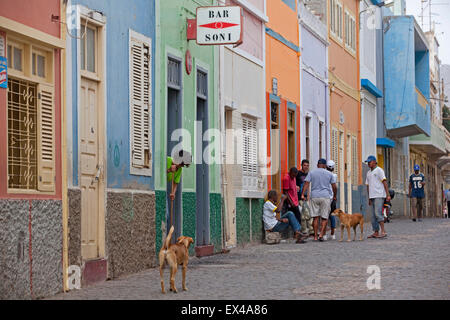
[320, 207]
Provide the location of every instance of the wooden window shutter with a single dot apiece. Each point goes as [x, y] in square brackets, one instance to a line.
[140, 104]
[354, 161]
[250, 154]
[46, 138]
[335, 149]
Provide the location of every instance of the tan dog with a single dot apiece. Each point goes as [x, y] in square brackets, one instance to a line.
[175, 254]
[349, 220]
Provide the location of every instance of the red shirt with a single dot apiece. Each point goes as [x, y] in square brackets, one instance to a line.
[290, 184]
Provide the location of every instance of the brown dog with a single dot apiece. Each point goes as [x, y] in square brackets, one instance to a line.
[349, 220]
[175, 254]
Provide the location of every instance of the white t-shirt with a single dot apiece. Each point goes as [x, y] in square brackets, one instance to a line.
[269, 215]
[374, 180]
[331, 188]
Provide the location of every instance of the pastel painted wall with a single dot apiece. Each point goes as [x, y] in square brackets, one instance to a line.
[121, 16]
[345, 85]
[405, 68]
[35, 14]
[21, 12]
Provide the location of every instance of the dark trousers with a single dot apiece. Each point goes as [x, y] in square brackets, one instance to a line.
[296, 212]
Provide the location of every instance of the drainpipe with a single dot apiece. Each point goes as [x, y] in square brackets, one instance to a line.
[65, 216]
[223, 182]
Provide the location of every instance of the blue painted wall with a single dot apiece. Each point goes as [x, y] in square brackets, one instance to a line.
[404, 69]
[138, 15]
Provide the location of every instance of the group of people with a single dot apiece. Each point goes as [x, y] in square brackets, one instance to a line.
[310, 196]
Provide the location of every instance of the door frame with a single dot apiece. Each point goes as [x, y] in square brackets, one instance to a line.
[177, 56]
[203, 67]
[100, 77]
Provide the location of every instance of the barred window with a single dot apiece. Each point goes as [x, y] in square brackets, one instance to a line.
[22, 135]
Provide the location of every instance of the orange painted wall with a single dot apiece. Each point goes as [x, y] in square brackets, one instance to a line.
[282, 62]
[345, 66]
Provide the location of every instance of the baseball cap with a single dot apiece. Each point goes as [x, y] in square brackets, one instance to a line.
[330, 164]
[322, 161]
[416, 167]
[371, 158]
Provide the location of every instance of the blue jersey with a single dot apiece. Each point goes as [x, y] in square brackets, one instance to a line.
[416, 182]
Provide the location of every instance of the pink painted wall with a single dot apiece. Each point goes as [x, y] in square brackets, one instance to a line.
[33, 13]
[253, 32]
[259, 4]
[253, 36]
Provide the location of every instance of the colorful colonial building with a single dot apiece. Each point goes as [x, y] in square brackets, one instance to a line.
[31, 149]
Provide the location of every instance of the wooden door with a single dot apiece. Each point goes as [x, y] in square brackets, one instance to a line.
[90, 169]
[229, 188]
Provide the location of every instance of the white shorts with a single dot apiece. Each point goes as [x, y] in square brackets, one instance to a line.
[320, 207]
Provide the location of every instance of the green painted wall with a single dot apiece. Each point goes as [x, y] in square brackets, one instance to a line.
[248, 220]
[172, 16]
[171, 40]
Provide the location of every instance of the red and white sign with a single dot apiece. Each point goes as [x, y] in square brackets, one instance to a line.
[219, 25]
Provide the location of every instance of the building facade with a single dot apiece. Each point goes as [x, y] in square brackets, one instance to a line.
[31, 151]
[243, 119]
[345, 111]
[110, 112]
[187, 99]
[282, 90]
[314, 98]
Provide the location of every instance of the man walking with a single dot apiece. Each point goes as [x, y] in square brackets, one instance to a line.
[377, 189]
[306, 220]
[416, 193]
[320, 180]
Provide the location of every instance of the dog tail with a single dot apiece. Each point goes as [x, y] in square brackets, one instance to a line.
[168, 238]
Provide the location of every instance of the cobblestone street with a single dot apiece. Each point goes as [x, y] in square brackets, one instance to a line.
[414, 263]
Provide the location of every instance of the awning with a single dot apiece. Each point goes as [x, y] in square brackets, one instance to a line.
[369, 86]
[385, 143]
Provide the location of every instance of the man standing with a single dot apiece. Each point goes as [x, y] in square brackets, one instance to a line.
[330, 167]
[377, 189]
[320, 180]
[290, 190]
[307, 226]
[416, 193]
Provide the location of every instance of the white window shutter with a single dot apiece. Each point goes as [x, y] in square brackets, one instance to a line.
[140, 104]
[46, 138]
[250, 155]
[355, 164]
[335, 149]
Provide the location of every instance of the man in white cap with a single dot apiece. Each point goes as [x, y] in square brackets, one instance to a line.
[330, 167]
[378, 191]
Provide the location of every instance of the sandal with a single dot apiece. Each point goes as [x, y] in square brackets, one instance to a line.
[372, 236]
[321, 239]
[382, 236]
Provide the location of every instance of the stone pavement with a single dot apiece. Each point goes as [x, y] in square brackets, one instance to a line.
[414, 262]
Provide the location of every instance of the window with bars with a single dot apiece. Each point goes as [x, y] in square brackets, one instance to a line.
[140, 104]
[202, 84]
[250, 155]
[174, 73]
[31, 136]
